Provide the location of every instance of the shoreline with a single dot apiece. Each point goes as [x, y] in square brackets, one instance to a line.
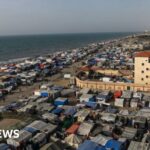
[20, 58]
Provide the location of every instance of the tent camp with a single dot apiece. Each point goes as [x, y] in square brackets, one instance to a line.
[73, 140]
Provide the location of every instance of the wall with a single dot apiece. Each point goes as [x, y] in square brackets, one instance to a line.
[98, 85]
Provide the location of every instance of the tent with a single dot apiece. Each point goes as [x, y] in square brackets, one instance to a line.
[70, 111]
[91, 104]
[114, 144]
[72, 129]
[89, 145]
[101, 139]
[60, 101]
[73, 140]
[85, 128]
[4, 146]
[57, 111]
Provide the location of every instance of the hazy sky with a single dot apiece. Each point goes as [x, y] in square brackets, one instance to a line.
[69, 16]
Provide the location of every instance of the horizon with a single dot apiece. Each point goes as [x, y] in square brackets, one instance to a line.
[44, 34]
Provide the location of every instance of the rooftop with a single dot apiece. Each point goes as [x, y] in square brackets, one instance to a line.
[143, 54]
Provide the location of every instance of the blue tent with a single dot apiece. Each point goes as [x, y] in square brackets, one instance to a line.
[57, 111]
[71, 111]
[89, 145]
[60, 101]
[114, 144]
[44, 94]
[31, 130]
[91, 104]
[4, 146]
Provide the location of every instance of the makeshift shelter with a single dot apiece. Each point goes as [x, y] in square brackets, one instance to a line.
[140, 122]
[4, 146]
[114, 144]
[134, 102]
[38, 124]
[129, 133]
[31, 130]
[87, 98]
[24, 137]
[73, 140]
[58, 111]
[100, 139]
[138, 146]
[85, 128]
[70, 111]
[73, 129]
[119, 102]
[92, 105]
[39, 140]
[117, 94]
[108, 117]
[89, 145]
[82, 114]
[60, 101]
[50, 117]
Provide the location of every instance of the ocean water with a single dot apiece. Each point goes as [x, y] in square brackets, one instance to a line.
[12, 47]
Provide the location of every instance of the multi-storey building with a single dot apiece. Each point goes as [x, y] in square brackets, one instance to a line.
[142, 68]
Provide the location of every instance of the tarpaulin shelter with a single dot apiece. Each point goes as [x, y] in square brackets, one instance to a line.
[114, 144]
[73, 140]
[70, 111]
[73, 129]
[60, 101]
[58, 111]
[89, 145]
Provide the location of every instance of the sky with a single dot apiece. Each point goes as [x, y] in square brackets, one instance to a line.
[19, 17]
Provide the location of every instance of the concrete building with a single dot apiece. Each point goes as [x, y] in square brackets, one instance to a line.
[142, 68]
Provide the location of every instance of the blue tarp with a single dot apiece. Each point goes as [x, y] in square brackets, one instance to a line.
[31, 130]
[4, 146]
[71, 111]
[92, 99]
[57, 111]
[114, 144]
[58, 88]
[44, 94]
[91, 104]
[89, 145]
[60, 101]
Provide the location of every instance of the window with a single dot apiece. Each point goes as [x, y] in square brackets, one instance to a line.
[147, 69]
[149, 60]
[142, 64]
[142, 79]
[142, 71]
[146, 76]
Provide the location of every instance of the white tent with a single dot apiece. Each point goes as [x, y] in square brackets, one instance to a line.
[73, 140]
[101, 139]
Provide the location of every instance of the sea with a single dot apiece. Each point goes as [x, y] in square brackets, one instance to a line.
[13, 47]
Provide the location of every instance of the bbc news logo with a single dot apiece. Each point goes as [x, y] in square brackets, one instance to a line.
[9, 134]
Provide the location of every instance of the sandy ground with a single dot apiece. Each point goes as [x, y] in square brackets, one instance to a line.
[26, 91]
[6, 123]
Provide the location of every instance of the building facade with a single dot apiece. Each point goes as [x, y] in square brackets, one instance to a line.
[142, 68]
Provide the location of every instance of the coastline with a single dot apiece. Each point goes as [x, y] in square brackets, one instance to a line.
[75, 43]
